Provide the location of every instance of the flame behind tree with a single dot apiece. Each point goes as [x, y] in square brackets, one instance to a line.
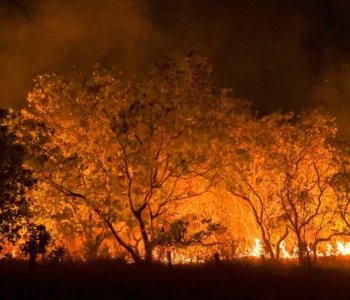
[127, 153]
[306, 164]
[248, 175]
[281, 171]
[340, 183]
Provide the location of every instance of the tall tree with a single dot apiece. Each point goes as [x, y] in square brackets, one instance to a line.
[249, 174]
[281, 170]
[340, 184]
[306, 165]
[127, 153]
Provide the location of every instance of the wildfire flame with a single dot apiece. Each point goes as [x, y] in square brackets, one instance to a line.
[341, 249]
[257, 250]
[284, 252]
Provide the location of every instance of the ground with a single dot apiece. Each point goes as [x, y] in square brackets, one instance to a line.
[234, 280]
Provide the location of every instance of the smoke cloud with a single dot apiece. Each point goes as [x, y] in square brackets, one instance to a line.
[55, 35]
[275, 54]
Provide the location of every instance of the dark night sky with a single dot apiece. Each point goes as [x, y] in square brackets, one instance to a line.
[278, 54]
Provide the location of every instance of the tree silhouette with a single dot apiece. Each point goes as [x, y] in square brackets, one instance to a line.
[14, 181]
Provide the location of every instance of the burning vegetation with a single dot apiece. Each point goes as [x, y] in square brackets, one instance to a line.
[170, 169]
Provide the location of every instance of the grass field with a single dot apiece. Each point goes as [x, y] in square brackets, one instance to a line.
[113, 280]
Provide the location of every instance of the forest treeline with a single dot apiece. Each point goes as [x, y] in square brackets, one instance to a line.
[106, 168]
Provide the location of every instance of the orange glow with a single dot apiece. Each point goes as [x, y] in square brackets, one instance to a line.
[343, 248]
[256, 251]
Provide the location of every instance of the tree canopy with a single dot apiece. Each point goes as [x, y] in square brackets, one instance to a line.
[175, 162]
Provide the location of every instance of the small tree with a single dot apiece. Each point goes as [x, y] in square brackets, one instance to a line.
[38, 241]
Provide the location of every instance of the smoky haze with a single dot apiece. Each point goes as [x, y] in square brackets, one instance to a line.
[55, 35]
[277, 54]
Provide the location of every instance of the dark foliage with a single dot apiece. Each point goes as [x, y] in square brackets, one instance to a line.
[13, 181]
[39, 240]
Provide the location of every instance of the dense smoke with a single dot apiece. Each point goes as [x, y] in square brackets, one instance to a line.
[278, 55]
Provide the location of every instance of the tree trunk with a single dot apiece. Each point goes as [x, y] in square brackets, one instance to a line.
[170, 263]
[278, 252]
[148, 253]
[301, 251]
[278, 246]
[92, 252]
[137, 259]
[319, 240]
[268, 246]
[314, 251]
[32, 258]
[217, 260]
[266, 240]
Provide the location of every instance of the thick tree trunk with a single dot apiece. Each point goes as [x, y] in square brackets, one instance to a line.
[148, 254]
[145, 239]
